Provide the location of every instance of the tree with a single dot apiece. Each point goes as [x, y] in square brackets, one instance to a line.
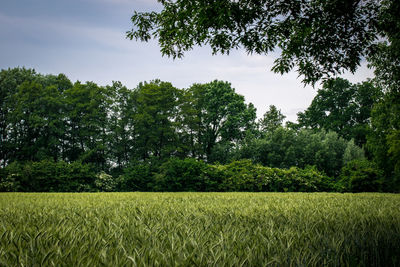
[384, 139]
[352, 152]
[285, 148]
[272, 119]
[342, 107]
[276, 149]
[320, 38]
[33, 115]
[220, 118]
[361, 176]
[121, 124]
[192, 109]
[37, 122]
[9, 81]
[87, 109]
[156, 108]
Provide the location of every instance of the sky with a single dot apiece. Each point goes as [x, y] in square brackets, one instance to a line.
[85, 39]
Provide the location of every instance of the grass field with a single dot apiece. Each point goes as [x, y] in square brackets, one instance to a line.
[199, 229]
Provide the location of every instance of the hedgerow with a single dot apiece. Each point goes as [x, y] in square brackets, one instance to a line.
[186, 175]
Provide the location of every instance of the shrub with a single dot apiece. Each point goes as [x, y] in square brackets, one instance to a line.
[243, 175]
[361, 176]
[77, 176]
[182, 175]
[352, 152]
[137, 176]
[173, 175]
[307, 180]
[214, 177]
[105, 182]
[49, 176]
[8, 182]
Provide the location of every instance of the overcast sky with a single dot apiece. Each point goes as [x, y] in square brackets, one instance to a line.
[85, 39]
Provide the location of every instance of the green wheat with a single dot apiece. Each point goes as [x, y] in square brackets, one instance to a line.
[199, 229]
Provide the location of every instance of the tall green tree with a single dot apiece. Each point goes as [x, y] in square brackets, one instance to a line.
[219, 119]
[155, 119]
[191, 115]
[121, 124]
[35, 122]
[342, 107]
[384, 138]
[271, 120]
[285, 148]
[32, 115]
[88, 106]
[10, 79]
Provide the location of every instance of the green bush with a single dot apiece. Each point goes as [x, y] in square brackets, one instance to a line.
[361, 176]
[49, 176]
[307, 180]
[182, 175]
[285, 148]
[138, 176]
[105, 182]
[75, 176]
[173, 175]
[243, 175]
[8, 183]
[214, 177]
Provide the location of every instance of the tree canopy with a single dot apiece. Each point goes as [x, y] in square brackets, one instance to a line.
[317, 38]
[342, 107]
[51, 127]
[271, 120]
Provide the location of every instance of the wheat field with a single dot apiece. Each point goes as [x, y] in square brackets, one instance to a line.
[199, 229]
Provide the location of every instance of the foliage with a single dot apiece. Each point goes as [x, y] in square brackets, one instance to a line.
[361, 176]
[121, 126]
[217, 117]
[383, 141]
[9, 80]
[156, 105]
[272, 119]
[243, 175]
[31, 115]
[386, 59]
[137, 176]
[320, 38]
[285, 148]
[129, 134]
[182, 175]
[343, 108]
[88, 106]
[384, 138]
[49, 176]
[200, 229]
[105, 182]
[8, 183]
[352, 152]
[193, 175]
[308, 180]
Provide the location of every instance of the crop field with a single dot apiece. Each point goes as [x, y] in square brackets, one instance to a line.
[199, 229]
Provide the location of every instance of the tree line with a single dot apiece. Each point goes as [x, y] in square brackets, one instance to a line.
[62, 136]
